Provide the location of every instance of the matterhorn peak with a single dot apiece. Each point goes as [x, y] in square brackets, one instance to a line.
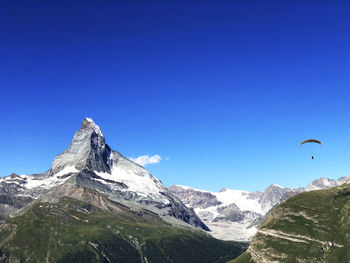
[90, 164]
[90, 126]
[87, 150]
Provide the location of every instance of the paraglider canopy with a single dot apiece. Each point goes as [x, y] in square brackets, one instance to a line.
[311, 140]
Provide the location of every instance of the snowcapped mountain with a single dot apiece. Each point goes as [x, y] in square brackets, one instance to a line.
[230, 213]
[324, 183]
[89, 163]
[235, 214]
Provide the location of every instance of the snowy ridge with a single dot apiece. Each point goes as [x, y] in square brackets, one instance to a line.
[137, 179]
[229, 196]
[323, 183]
[277, 185]
[49, 182]
[228, 213]
[94, 126]
[35, 181]
[191, 188]
[241, 199]
[233, 214]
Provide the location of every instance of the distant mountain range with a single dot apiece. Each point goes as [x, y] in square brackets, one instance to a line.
[236, 214]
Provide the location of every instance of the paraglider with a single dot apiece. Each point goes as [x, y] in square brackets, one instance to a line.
[311, 141]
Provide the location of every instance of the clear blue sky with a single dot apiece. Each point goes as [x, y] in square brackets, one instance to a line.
[225, 89]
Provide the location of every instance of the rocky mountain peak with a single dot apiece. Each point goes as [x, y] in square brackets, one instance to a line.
[88, 149]
[321, 183]
[89, 163]
[89, 126]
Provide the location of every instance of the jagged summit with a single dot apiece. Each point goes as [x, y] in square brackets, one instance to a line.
[88, 149]
[89, 125]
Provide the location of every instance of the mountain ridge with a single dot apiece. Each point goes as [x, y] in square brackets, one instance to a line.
[235, 214]
[312, 226]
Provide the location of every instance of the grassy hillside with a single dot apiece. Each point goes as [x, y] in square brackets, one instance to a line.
[309, 227]
[243, 258]
[75, 231]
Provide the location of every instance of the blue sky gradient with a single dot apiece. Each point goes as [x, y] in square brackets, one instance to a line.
[225, 89]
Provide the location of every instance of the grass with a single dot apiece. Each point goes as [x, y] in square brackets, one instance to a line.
[244, 258]
[320, 215]
[75, 231]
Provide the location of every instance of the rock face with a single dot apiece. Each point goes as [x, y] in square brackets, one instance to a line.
[87, 150]
[324, 183]
[90, 163]
[194, 198]
[232, 214]
[235, 214]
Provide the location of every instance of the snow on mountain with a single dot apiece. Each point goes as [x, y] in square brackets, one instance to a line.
[229, 213]
[235, 214]
[136, 178]
[323, 183]
[58, 178]
[240, 198]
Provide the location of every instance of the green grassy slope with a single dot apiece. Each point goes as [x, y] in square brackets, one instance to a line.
[75, 231]
[243, 258]
[309, 227]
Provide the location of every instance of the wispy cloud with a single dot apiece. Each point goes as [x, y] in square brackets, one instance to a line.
[145, 159]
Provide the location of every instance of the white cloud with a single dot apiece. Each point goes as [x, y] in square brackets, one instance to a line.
[145, 159]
